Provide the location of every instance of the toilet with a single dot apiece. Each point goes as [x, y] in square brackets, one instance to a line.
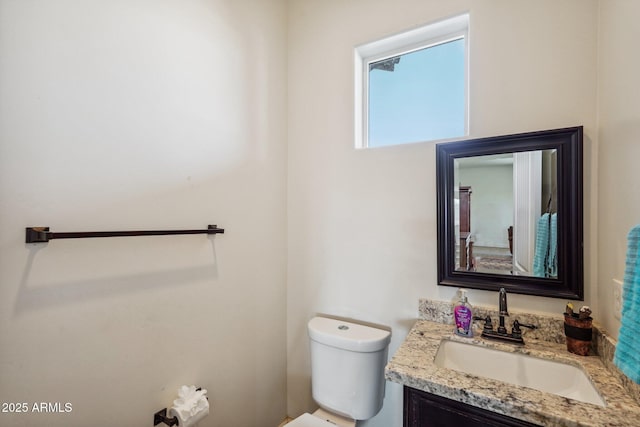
[347, 372]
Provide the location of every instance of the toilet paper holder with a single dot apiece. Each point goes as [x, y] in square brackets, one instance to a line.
[161, 416]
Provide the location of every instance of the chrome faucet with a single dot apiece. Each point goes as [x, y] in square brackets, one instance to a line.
[501, 333]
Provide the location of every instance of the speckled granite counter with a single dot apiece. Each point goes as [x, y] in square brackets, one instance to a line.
[412, 365]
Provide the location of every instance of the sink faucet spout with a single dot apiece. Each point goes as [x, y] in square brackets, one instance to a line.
[503, 310]
[503, 302]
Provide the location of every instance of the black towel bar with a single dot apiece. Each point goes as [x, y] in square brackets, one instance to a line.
[43, 235]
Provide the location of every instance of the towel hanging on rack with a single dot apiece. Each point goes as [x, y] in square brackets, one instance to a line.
[552, 259]
[627, 354]
[541, 246]
[545, 258]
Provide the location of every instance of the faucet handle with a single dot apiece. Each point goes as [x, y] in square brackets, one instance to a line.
[517, 332]
[526, 325]
[488, 324]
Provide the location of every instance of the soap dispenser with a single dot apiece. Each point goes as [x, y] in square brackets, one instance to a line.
[463, 316]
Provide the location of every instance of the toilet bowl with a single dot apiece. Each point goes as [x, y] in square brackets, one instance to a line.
[321, 418]
[347, 372]
[308, 420]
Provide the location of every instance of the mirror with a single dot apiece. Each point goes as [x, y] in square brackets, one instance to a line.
[510, 213]
[505, 199]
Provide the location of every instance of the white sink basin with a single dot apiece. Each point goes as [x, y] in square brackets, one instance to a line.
[541, 374]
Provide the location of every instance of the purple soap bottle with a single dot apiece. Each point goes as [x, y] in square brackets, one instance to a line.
[463, 316]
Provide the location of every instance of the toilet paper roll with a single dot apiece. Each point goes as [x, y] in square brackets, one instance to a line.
[189, 420]
[191, 406]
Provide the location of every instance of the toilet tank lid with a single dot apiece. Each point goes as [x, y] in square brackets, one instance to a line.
[347, 335]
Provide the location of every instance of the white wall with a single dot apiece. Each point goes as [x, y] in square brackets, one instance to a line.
[362, 224]
[143, 115]
[619, 136]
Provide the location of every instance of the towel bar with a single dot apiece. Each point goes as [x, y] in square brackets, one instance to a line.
[43, 235]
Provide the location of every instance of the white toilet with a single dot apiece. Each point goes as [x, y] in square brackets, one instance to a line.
[347, 372]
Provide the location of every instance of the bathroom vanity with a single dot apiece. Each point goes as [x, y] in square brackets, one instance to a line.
[423, 409]
[437, 394]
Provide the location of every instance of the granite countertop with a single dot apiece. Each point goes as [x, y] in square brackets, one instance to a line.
[413, 366]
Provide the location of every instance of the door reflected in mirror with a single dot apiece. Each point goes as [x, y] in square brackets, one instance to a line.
[505, 213]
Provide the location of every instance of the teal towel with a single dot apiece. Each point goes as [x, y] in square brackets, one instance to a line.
[627, 354]
[542, 246]
[552, 259]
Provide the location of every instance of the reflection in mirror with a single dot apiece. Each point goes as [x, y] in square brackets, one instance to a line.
[510, 213]
[505, 213]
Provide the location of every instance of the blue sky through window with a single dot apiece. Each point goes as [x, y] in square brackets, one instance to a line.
[422, 99]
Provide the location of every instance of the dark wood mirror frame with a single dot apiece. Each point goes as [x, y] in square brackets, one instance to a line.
[568, 143]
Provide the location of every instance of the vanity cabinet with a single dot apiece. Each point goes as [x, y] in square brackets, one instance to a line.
[423, 409]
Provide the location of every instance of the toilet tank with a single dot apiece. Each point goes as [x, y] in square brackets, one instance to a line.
[347, 366]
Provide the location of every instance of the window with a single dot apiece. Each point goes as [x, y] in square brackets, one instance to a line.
[412, 87]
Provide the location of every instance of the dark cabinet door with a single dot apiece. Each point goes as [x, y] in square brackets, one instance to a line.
[423, 409]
